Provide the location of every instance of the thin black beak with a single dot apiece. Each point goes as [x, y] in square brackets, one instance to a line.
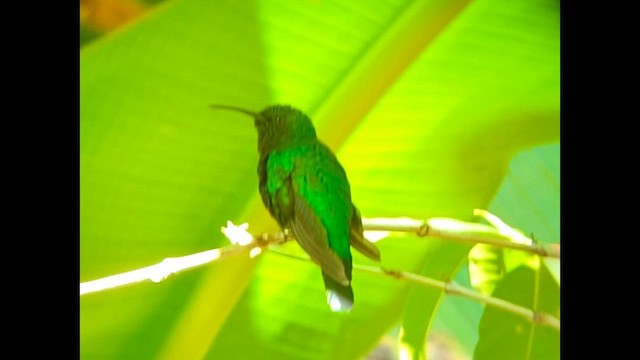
[233, 108]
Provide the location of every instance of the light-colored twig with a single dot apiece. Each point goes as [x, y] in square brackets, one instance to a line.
[454, 289]
[461, 231]
[162, 270]
[244, 242]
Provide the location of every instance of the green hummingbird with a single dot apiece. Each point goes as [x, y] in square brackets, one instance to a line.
[306, 190]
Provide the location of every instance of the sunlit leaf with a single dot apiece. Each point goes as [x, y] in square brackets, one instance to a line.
[529, 198]
[424, 113]
[507, 336]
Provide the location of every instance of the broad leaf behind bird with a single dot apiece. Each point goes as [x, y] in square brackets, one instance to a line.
[306, 190]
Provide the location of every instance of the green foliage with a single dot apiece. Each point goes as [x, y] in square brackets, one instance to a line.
[533, 181]
[529, 198]
[422, 133]
[506, 336]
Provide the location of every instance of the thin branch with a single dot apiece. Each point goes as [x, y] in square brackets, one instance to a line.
[452, 288]
[163, 269]
[244, 242]
[461, 231]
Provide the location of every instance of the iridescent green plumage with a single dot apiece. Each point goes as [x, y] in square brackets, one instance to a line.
[306, 190]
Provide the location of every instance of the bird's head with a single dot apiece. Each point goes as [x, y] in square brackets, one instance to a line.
[279, 127]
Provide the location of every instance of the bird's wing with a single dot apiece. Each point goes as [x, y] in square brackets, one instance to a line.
[262, 184]
[312, 237]
[288, 206]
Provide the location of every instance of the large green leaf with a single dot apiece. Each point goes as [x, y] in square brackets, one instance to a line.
[425, 102]
[529, 198]
[507, 336]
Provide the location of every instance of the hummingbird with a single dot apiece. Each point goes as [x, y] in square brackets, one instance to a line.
[305, 189]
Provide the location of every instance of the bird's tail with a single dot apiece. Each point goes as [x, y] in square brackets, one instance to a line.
[339, 297]
[357, 239]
